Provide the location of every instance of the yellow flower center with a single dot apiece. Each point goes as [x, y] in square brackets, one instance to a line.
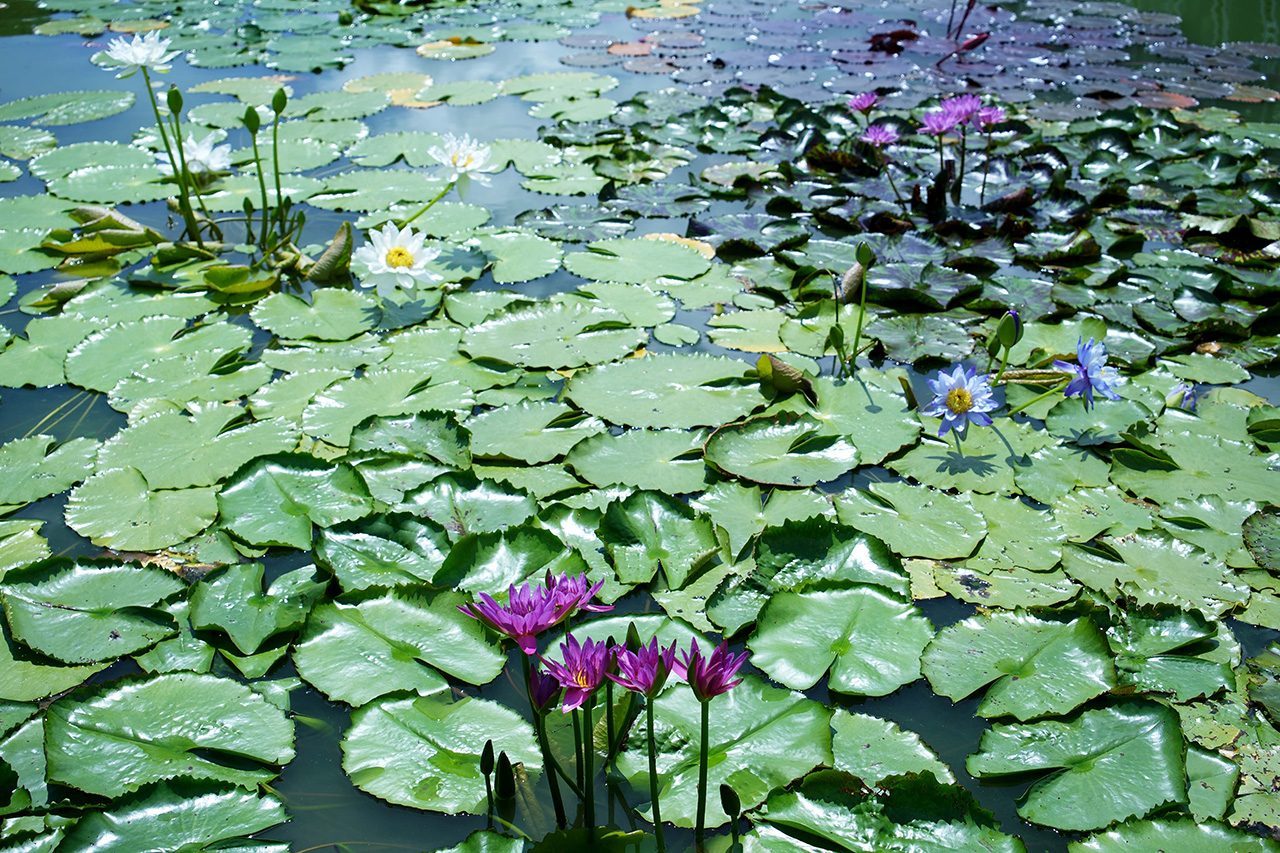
[399, 256]
[959, 400]
[581, 679]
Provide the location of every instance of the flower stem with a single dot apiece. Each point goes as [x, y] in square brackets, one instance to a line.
[588, 758]
[429, 204]
[577, 749]
[608, 719]
[266, 206]
[548, 760]
[1054, 390]
[888, 173]
[986, 169]
[184, 204]
[699, 830]
[857, 332]
[653, 778]
[275, 167]
[959, 448]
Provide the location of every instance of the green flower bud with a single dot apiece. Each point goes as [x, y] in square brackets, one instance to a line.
[252, 120]
[279, 100]
[1009, 330]
[174, 99]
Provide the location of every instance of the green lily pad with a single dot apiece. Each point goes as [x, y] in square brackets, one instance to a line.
[118, 509]
[874, 749]
[1105, 765]
[425, 752]
[67, 158]
[635, 260]
[1155, 652]
[871, 640]
[554, 336]
[233, 599]
[1035, 667]
[23, 143]
[493, 562]
[461, 93]
[649, 530]
[35, 467]
[104, 358]
[89, 612]
[667, 461]
[112, 184]
[384, 551]
[1173, 835]
[463, 505]
[274, 500]
[177, 816]
[21, 544]
[338, 409]
[916, 521]
[1261, 536]
[67, 107]
[531, 431]
[399, 641]
[332, 315]
[868, 409]
[786, 450]
[149, 729]
[672, 391]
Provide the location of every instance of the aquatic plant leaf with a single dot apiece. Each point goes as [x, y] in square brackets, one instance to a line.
[913, 813]
[112, 184]
[117, 508]
[337, 105]
[668, 461]
[555, 335]
[871, 640]
[671, 390]
[519, 255]
[22, 143]
[1262, 538]
[106, 357]
[435, 435]
[1017, 536]
[21, 544]
[67, 107]
[114, 738]
[1085, 513]
[274, 500]
[178, 816]
[18, 251]
[233, 599]
[1035, 667]
[1107, 764]
[916, 521]
[636, 260]
[383, 551]
[910, 337]
[35, 467]
[874, 749]
[425, 752]
[760, 738]
[398, 641]
[332, 315]
[492, 562]
[85, 612]
[337, 410]
[460, 93]
[173, 450]
[785, 450]
[532, 431]
[649, 530]
[184, 653]
[463, 504]
[67, 158]
[1161, 651]
[1169, 834]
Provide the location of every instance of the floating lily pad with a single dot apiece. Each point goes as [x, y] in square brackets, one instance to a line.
[668, 461]
[873, 749]
[915, 520]
[787, 450]
[117, 508]
[274, 500]
[67, 107]
[635, 260]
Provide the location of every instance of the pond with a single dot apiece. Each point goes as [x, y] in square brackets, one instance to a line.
[675, 316]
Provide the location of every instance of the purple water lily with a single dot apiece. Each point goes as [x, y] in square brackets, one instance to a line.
[989, 116]
[938, 122]
[583, 670]
[544, 689]
[863, 103]
[528, 612]
[645, 671]
[573, 591]
[962, 107]
[960, 398]
[1090, 373]
[880, 134]
[710, 676]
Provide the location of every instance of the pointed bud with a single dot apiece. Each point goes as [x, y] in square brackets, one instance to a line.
[506, 787]
[1009, 330]
[633, 643]
[866, 256]
[279, 100]
[851, 282]
[486, 758]
[729, 802]
[252, 120]
[174, 98]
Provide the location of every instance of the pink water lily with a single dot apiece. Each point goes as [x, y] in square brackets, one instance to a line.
[528, 612]
[583, 670]
[710, 676]
[645, 671]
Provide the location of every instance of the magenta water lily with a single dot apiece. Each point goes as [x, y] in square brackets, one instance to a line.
[645, 671]
[582, 672]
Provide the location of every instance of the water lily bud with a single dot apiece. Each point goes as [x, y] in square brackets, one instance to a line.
[248, 207]
[506, 787]
[866, 256]
[851, 282]
[252, 120]
[1009, 331]
[993, 344]
[729, 801]
[486, 758]
[279, 100]
[174, 99]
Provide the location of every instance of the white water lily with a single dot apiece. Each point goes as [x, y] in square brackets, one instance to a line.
[147, 51]
[396, 257]
[462, 157]
[203, 157]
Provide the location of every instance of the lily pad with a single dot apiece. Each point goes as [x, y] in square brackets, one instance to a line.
[117, 508]
[636, 261]
[874, 749]
[274, 500]
[916, 521]
[668, 461]
[332, 315]
[785, 450]
[556, 336]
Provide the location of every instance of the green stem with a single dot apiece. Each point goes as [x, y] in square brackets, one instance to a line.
[275, 166]
[262, 237]
[888, 173]
[857, 332]
[588, 758]
[181, 173]
[1054, 390]
[183, 204]
[959, 449]
[653, 778]
[700, 821]
[986, 169]
[577, 750]
[429, 204]
[548, 760]
[964, 139]
[608, 717]
[1004, 362]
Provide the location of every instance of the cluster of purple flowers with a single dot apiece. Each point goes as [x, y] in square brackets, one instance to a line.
[964, 396]
[644, 671]
[961, 111]
[532, 609]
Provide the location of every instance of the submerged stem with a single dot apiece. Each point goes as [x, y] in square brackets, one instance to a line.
[653, 778]
[701, 819]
